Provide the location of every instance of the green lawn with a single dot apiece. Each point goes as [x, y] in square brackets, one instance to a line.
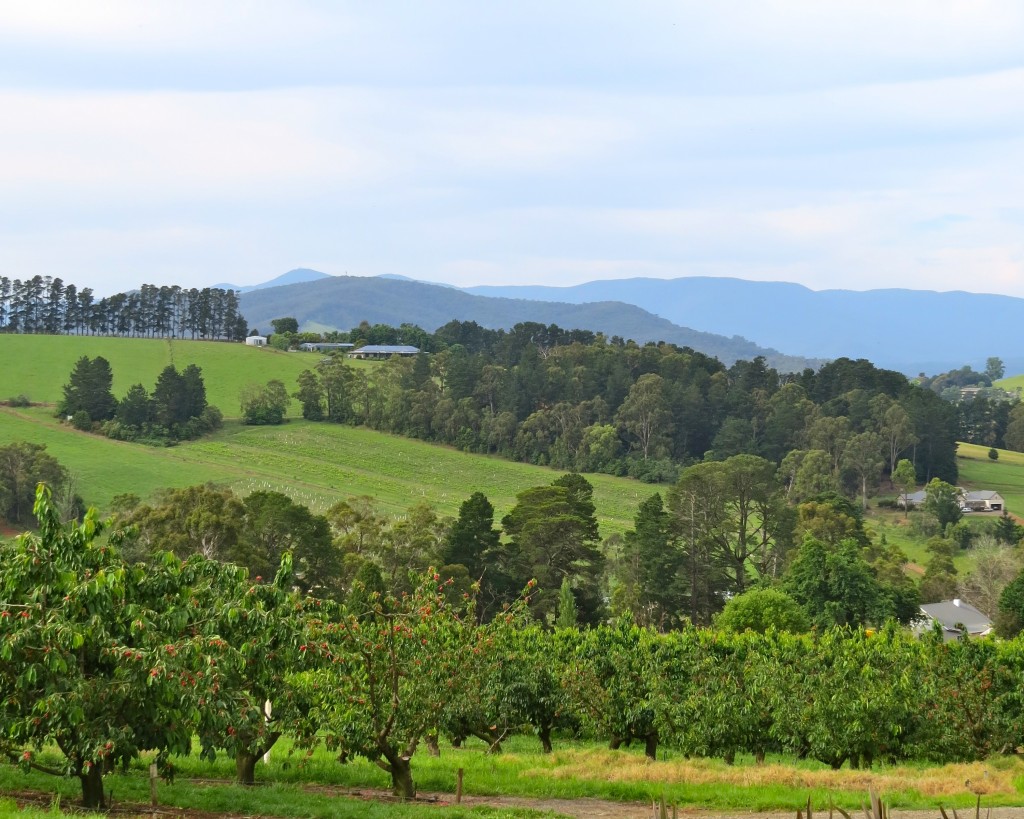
[315, 464]
[1010, 383]
[38, 366]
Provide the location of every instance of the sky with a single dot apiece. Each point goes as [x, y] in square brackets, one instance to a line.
[842, 144]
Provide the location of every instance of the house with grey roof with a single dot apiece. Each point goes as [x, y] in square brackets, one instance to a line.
[984, 500]
[981, 500]
[956, 617]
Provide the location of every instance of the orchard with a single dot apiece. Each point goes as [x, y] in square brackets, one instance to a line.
[102, 660]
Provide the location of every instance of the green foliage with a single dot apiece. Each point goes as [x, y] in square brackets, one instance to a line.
[1010, 618]
[273, 525]
[88, 660]
[942, 500]
[993, 454]
[472, 536]
[904, 478]
[553, 532]
[391, 675]
[939, 581]
[652, 570]
[762, 609]
[994, 368]
[834, 584]
[89, 390]
[311, 395]
[196, 520]
[610, 679]
[567, 616]
[266, 404]
[285, 325]
[23, 466]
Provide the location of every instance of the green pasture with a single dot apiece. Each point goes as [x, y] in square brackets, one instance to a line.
[38, 366]
[977, 471]
[315, 785]
[1005, 475]
[1011, 383]
[314, 463]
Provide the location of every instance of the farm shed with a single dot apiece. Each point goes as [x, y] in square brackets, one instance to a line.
[384, 351]
[256, 341]
[324, 346]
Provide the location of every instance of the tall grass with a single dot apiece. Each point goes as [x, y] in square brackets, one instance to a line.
[300, 786]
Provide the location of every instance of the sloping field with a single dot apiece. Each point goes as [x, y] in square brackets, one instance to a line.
[315, 464]
[1006, 476]
[1010, 383]
[38, 366]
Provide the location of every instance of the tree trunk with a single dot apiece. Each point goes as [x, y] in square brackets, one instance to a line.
[245, 767]
[614, 743]
[759, 756]
[430, 740]
[730, 757]
[492, 738]
[545, 738]
[92, 787]
[651, 745]
[401, 778]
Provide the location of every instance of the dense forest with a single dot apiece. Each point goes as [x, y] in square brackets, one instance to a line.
[45, 304]
[575, 400]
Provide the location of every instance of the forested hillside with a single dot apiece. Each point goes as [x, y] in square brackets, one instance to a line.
[341, 302]
[573, 400]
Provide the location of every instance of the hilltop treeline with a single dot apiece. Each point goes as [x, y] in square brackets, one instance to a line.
[44, 304]
[576, 400]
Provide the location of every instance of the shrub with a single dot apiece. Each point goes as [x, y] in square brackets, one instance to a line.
[993, 454]
[82, 421]
[18, 401]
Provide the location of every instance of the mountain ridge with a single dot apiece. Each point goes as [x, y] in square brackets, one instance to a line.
[341, 302]
[898, 328]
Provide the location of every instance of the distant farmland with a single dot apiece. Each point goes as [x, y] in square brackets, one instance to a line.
[315, 464]
[38, 366]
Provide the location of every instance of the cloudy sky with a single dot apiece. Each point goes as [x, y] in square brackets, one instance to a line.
[860, 144]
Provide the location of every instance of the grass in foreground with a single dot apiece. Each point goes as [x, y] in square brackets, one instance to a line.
[576, 770]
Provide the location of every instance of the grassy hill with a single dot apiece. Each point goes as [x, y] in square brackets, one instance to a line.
[1011, 383]
[1006, 475]
[38, 366]
[315, 464]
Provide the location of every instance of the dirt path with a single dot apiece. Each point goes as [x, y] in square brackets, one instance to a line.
[582, 808]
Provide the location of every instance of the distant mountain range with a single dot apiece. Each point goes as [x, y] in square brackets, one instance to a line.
[296, 276]
[321, 302]
[909, 330]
